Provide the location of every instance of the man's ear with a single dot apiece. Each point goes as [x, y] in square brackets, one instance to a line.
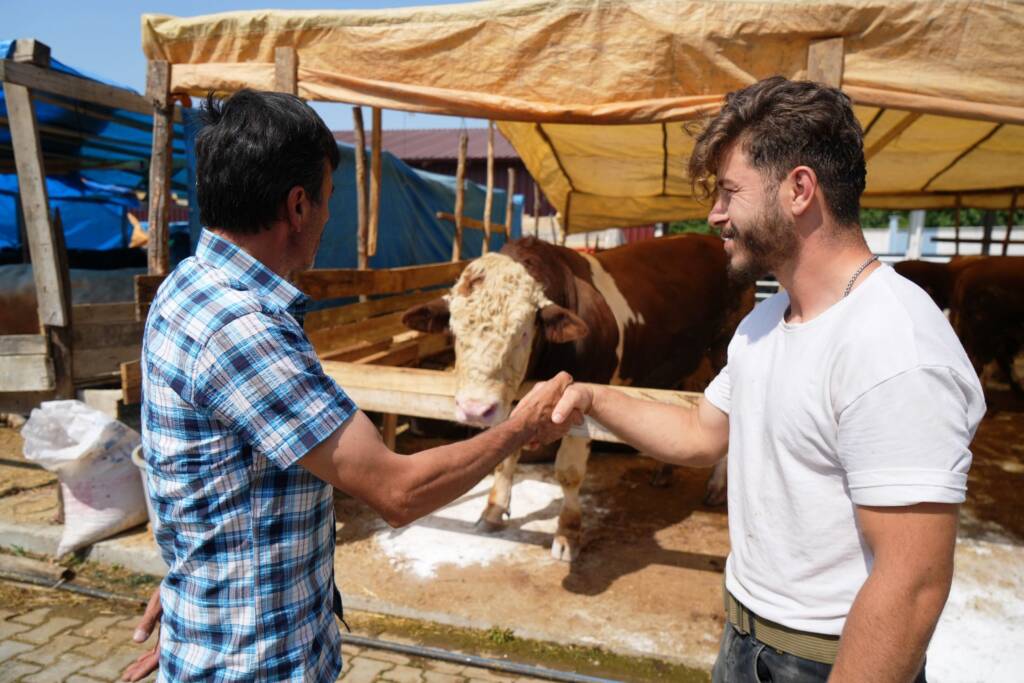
[561, 325]
[294, 207]
[429, 317]
[803, 184]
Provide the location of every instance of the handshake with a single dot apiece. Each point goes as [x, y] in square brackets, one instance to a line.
[551, 409]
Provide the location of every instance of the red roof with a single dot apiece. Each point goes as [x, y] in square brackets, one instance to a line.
[436, 143]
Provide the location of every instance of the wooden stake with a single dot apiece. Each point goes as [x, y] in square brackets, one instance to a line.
[536, 209]
[460, 198]
[286, 70]
[158, 81]
[489, 195]
[508, 201]
[1009, 220]
[389, 429]
[956, 227]
[825, 61]
[361, 230]
[375, 167]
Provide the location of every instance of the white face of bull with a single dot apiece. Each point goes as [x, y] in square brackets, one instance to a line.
[495, 310]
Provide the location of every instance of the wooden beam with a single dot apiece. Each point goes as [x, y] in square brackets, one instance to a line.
[350, 313]
[26, 373]
[389, 429]
[825, 61]
[73, 87]
[31, 51]
[471, 223]
[375, 169]
[146, 287]
[956, 225]
[430, 393]
[1009, 221]
[509, 194]
[286, 70]
[536, 209]
[22, 345]
[939, 106]
[489, 192]
[460, 198]
[361, 198]
[59, 336]
[158, 83]
[131, 382]
[333, 283]
[890, 135]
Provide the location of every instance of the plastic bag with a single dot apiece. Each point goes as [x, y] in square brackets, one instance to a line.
[91, 454]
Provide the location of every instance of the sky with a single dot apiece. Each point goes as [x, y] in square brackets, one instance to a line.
[103, 37]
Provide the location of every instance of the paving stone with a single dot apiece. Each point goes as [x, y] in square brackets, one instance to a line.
[113, 662]
[438, 677]
[350, 650]
[385, 656]
[487, 675]
[6, 614]
[79, 678]
[46, 631]
[10, 648]
[15, 670]
[58, 672]
[403, 674]
[444, 667]
[35, 617]
[11, 628]
[99, 626]
[47, 653]
[365, 670]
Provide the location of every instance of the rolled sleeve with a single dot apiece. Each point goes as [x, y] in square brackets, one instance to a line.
[261, 378]
[906, 440]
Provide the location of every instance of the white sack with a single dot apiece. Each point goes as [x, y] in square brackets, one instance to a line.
[91, 454]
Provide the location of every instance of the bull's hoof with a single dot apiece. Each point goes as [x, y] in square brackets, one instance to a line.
[492, 519]
[565, 548]
[715, 497]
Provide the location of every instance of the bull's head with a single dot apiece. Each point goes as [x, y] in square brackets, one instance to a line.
[496, 312]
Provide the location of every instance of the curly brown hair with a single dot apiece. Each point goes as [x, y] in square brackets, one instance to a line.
[782, 124]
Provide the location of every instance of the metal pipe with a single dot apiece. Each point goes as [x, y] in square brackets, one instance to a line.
[72, 587]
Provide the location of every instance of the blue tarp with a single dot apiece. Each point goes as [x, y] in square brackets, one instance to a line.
[410, 232]
[95, 158]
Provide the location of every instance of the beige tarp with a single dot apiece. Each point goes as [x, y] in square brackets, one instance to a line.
[593, 94]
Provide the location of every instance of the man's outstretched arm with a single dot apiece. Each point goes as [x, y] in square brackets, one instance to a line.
[697, 436]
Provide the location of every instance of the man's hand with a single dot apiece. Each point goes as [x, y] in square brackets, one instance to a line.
[576, 401]
[537, 407]
[149, 660]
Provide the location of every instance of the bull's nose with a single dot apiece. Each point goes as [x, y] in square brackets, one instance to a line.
[471, 410]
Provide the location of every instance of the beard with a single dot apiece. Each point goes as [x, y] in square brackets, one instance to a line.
[761, 245]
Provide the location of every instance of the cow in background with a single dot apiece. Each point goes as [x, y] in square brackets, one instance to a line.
[936, 278]
[644, 314]
[987, 312]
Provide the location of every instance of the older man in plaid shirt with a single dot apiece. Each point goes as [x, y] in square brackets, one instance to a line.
[245, 435]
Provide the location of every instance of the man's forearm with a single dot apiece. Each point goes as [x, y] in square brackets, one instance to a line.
[669, 433]
[888, 629]
[437, 476]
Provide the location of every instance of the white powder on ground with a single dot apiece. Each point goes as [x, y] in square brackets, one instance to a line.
[984, 617]
[449, 536]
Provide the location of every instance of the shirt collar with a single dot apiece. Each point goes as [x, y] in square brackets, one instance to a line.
[247, 271]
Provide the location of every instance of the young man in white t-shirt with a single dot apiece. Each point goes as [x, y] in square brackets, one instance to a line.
[847, 408]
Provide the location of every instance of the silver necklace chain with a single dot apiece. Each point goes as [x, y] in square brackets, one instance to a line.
[856, 274]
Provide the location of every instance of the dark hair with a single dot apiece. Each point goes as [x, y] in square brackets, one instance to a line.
[783, 124]
[252, 150]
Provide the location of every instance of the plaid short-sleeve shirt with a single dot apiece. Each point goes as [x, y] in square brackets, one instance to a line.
[233, 396]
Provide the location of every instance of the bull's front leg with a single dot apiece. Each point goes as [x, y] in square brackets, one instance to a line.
[496, 512]
[570, 469]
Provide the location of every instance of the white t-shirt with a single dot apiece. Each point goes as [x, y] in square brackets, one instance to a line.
[873, 402]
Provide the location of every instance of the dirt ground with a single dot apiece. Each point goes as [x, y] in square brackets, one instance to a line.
[647, 582]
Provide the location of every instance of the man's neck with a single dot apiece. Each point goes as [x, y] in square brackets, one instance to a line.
[817, 277]
[263, 246]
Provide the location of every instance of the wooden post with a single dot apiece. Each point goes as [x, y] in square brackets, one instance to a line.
[489, 195]
[956, 227]
[460, 196]
[375, 166]
[286, 70]
[508, 202]
[988, 219]
[389, 429]
[536, 209]
[825, 61]
[158, 83]
[29, 51]
[360, 135]
[1009, 220]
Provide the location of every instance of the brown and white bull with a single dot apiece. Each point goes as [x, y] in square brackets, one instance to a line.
[644, 314]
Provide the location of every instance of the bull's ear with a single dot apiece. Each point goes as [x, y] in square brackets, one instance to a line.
[429, 317]
[562, 325]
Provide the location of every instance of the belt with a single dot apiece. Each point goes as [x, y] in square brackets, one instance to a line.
[813, 646]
